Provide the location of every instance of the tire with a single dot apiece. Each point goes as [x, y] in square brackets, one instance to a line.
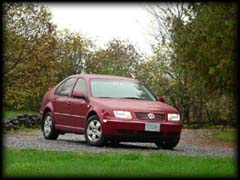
[168, 144]
[93, 132]
[49, 132]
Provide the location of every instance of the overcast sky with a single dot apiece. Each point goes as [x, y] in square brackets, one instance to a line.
[103, 22]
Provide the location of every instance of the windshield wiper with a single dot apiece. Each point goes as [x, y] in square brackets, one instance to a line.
[104, 97]
[125, 98]
[132, 98]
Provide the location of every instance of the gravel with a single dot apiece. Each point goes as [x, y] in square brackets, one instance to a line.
[74, 142]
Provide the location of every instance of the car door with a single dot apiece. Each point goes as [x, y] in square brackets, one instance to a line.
[61, 104]
[79, 106]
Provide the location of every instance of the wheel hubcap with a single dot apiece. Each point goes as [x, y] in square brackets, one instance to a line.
[94, 130]
[47, 125]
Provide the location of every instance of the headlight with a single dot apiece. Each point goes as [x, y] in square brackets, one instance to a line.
[122, 114]
[174, 117]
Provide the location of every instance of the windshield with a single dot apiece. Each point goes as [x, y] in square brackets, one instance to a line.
[120, 89]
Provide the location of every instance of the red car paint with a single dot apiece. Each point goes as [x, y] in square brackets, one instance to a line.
[71, 114]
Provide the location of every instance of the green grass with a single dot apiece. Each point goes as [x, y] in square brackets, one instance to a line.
[23, 130]
[8, 114]
[229, 135]
[36, 163]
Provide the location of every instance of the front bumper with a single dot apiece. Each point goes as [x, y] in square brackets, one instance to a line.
[135, 129]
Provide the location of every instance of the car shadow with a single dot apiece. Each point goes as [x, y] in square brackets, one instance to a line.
[73, 141]
[144, 147]
[133, 146]
[121, 145]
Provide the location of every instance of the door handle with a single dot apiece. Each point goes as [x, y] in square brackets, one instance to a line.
[68, 103]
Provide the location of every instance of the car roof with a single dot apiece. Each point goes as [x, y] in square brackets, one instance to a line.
[101, 76]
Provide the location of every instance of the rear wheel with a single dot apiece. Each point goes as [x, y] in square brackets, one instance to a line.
[49, 132]
[168, 144]
[93, 132]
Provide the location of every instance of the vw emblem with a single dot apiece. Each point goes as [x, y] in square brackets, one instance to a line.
[151, 116]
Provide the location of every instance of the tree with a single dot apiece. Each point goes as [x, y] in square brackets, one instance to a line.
[29, 64]
[201, 52]
[211, 59]
[72, 50]
[119, 58]
[162, 14]
[168, 17]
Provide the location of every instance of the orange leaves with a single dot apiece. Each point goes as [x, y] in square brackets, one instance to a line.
[222, 62]
[191, 64]
[205, 45]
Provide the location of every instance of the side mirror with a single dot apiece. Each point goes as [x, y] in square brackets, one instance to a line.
[78, 95]
[161, 99]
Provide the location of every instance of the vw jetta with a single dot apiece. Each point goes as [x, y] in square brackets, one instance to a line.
[109, 109]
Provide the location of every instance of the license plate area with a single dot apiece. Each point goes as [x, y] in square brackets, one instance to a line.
[154, 127]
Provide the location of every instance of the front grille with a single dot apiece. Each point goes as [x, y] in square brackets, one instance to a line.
[144, 116]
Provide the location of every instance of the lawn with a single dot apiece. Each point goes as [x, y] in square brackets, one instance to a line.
[9, 113]
[39, 163]
[228, 135]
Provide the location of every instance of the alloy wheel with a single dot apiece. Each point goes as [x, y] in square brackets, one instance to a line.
[94, 131]
[47, 125]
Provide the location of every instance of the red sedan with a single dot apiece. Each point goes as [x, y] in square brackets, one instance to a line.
[109, 109]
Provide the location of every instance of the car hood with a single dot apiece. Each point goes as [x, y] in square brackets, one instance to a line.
[134, 105]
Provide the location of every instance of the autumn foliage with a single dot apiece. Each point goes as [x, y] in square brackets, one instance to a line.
[193, 65]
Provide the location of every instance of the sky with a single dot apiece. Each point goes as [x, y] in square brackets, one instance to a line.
[103, 22]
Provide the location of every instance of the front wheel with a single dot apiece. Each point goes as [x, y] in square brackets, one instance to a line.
[168, 144]
[93, 132]
[49, 132]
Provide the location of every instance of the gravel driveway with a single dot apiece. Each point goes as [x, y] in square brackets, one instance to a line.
[193, 142]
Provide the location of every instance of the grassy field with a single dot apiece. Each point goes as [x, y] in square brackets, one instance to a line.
[28, 131]
[229, 135]
[9, 114]
[39, 163]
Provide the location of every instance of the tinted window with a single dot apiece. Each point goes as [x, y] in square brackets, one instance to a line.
[81, 87]
[65, 88]
[120, 89]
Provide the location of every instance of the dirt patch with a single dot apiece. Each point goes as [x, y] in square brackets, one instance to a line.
[203, 137]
